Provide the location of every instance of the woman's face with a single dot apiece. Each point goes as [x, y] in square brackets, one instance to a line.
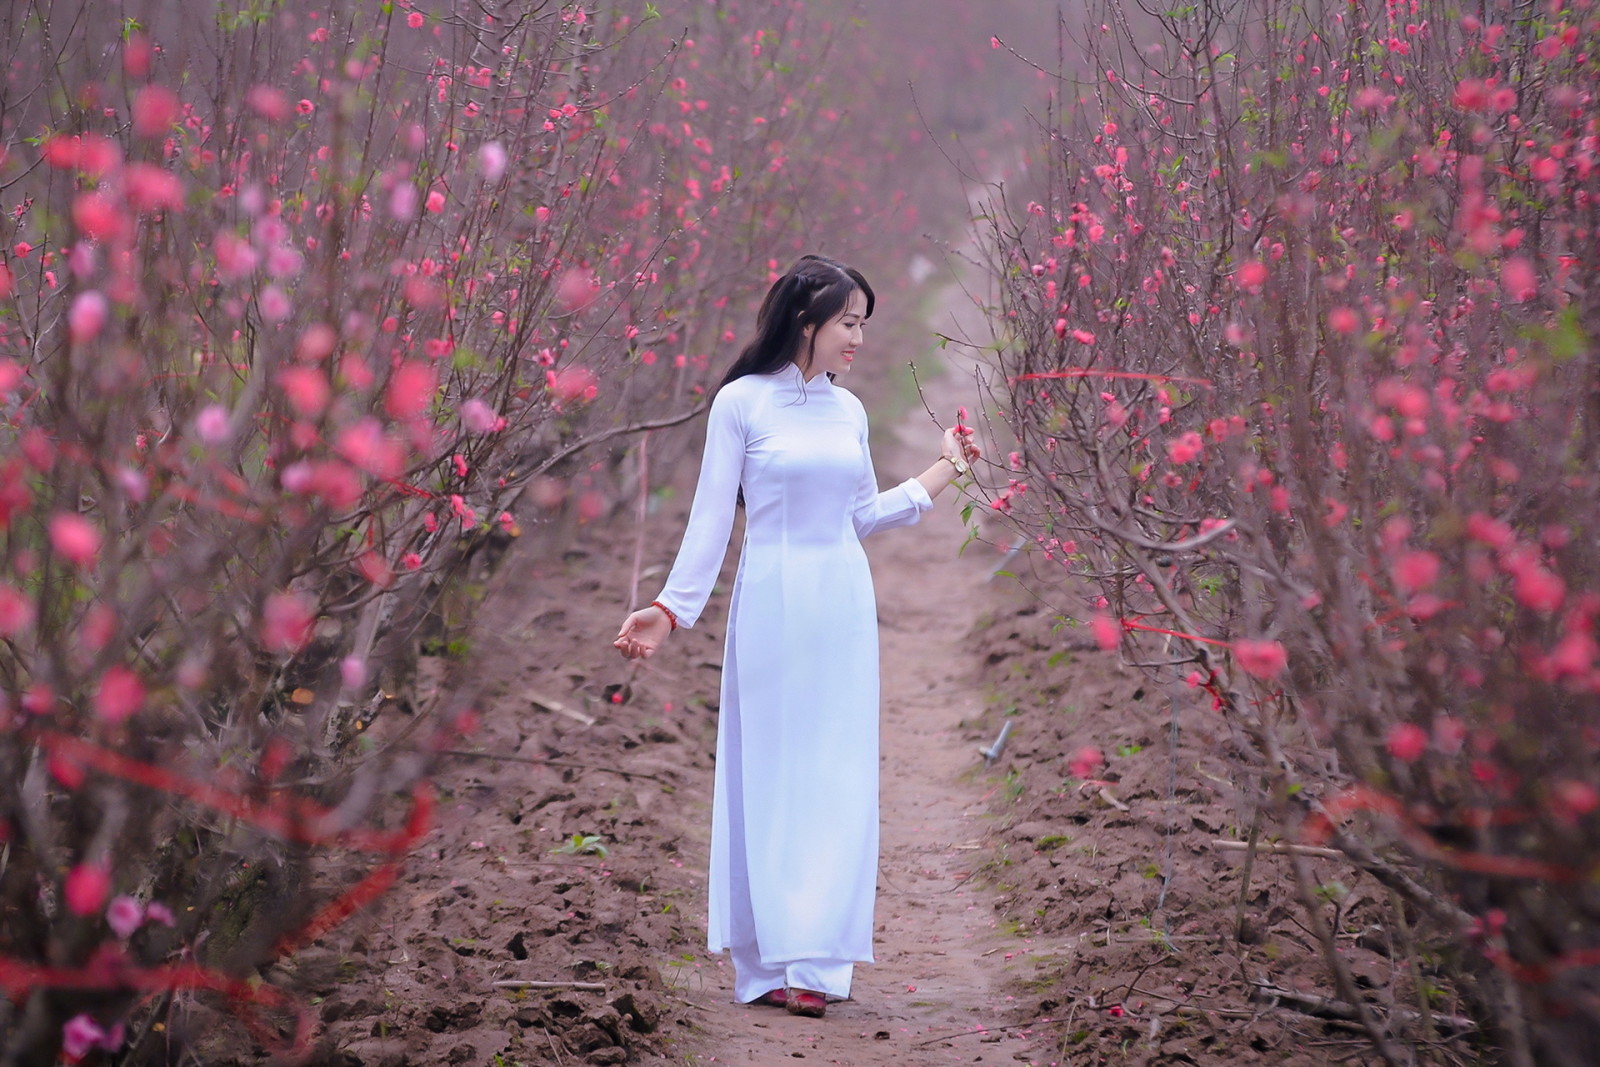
[837, 339]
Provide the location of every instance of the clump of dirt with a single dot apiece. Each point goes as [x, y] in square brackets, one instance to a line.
[1136, 935]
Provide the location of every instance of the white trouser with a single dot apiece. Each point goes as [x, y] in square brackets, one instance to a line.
[751, 977]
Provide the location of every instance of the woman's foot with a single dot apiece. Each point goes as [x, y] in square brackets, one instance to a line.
[805, 1002]
[775, 998]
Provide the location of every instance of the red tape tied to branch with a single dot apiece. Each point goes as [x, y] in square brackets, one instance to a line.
[1129, 624]
[113, 972]
[1088, 372]
[297, 820]
[294, 819]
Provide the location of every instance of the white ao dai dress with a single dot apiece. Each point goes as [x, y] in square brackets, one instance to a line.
[794, 839]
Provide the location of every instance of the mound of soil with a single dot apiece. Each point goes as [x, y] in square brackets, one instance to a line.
[1136, 933]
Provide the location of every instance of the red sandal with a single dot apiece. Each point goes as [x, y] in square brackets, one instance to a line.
[775, 998]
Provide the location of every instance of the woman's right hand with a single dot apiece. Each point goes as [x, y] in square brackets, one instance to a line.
[642, 633]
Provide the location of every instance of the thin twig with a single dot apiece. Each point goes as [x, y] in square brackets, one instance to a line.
[565, 765]
[518, 983]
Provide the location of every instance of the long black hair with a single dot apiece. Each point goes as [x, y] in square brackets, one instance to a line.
[814, 291]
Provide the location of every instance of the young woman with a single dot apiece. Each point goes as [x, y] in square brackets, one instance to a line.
[794, 829]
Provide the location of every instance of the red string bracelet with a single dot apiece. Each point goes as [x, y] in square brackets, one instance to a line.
[673, 619]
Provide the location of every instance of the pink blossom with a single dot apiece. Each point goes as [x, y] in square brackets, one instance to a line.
[1251, 276]
[1573, 799]
[124, 916]
[415, 20]
[1574, 654]
[478, 417]
[235, 256]
[492, 161]
[274, 304]
[99, 627]
[98, 218]
[1083, 337]
[1343, 320]
[268, 102]
[211, 425]
[305, 107]
[1415, 571]
[410, 391]
[306, 389]
[86, 888]
[1086, 761]
[1107, 634]
[75, 539]
[1488, 530]
[1260, 659]
[286, 621]
[1472, 94]
[150, 188]
[155, 109]
[157, 912]
[435, 202]
[403, 201]
[575, 291]
[1407, 742]
[120, 695]
[16, 611]
[1538, 589]
[335, 482]
[573, 383]
[353, 672]
[11, 375]
[284, 262]
[368, 448]
[87, 316]
[1519, 280]
[1186, 448]
[90, 152]
[80, 1035]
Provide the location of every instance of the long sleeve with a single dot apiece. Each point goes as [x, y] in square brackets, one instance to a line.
[705, 541]
[899, 506]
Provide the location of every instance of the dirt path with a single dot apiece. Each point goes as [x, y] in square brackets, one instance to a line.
[937, 984]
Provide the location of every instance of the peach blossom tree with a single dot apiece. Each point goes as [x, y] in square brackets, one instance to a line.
[1296, 343]
[302, 307]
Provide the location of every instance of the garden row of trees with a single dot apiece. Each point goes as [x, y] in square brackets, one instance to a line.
[304, 308]
[1297, 344]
